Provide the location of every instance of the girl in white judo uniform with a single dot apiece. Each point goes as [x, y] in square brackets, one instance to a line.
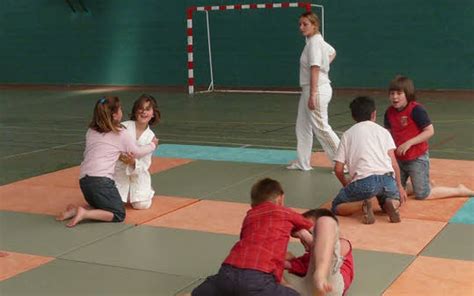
[316, 93]
[132, 177]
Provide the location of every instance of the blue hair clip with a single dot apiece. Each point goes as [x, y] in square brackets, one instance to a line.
[102, 100]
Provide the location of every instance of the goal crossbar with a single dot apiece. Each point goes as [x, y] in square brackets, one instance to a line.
[206, 9]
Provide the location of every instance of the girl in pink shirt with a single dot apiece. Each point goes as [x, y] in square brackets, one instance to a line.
[106, 139]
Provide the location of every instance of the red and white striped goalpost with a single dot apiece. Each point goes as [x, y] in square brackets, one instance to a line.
[190, 10]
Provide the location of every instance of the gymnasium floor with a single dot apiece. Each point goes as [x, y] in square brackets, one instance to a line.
[213, 147]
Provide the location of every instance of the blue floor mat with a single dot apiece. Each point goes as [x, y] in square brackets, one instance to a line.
[269, 156]
[465, 215]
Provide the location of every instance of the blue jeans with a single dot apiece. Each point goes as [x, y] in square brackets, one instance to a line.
[381, 186]
[419, 172]
[101, 193]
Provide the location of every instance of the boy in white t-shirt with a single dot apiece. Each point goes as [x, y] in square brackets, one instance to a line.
[367, 149]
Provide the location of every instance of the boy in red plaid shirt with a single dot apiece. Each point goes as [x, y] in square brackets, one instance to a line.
[256, 262]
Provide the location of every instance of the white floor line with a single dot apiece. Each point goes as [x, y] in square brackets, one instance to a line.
[49, 129]
[40, 150]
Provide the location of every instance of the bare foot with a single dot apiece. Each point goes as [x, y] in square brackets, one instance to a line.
[465, 191]
[78, 217]
[68, 213]
[322, 286]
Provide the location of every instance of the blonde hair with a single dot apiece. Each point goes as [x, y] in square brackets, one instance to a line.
[313, 18]
[102, 119]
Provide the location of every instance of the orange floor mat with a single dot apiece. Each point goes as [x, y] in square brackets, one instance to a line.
[70, 177]
[408, 237]
[159, 164]
[50, 193]
[37, 199]
[435, 276]
[53, 200]
[12, 263]
[203, 216]
[161, 205]
[320, 159]
[434, 209]
[63, 178]
[445, 172]
[208, 216]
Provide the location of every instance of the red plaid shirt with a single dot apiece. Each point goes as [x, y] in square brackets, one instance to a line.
[264, 238]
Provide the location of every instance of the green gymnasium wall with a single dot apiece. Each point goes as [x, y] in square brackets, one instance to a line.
[143, 42]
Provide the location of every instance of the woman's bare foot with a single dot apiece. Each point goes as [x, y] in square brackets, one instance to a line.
[68, 213]
[80, 212]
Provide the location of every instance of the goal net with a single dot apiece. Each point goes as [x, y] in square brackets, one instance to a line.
[245, 47]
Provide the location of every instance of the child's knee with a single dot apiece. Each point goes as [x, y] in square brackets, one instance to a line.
[325, 221]
[422, 193]
[141, 205]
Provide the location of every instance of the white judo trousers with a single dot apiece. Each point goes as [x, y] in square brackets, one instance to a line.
[314, 123]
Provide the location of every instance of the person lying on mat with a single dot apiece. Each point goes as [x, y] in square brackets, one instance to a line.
[338, 274]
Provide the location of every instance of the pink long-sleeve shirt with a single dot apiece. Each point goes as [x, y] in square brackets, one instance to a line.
[103, 150]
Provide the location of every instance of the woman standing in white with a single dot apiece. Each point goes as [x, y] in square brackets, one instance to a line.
[132, 177]
[315, 96]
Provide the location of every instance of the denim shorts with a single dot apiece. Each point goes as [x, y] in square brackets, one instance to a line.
[237, 281]
[381, 186]
[101, 193]
[419, 172]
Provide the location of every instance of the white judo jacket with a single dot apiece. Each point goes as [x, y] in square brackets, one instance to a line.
[134, 184]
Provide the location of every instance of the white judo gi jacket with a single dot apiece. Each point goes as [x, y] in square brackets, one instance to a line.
[134, 184]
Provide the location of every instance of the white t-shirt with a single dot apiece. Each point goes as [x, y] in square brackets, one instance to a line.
[315, 53]
[364, 149]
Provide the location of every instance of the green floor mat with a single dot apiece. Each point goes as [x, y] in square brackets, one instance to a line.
[166, 250]
[203, 177]
[43, 235]
[302, 189]
[455, 241]
[375, 271]
[63, 277]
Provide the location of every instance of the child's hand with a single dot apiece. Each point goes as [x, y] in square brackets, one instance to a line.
[312, 102]
[289, 256]
[403, 195]
[305, 237]
[403, 148]
[287, 264]
[155, 141]
[127, 158]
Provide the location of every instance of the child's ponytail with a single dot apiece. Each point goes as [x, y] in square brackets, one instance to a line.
[102, 119]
